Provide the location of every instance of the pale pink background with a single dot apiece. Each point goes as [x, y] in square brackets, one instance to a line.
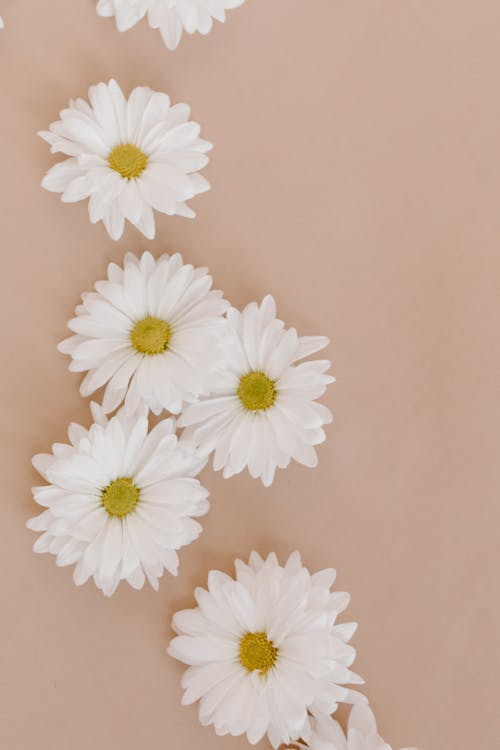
[356, 177]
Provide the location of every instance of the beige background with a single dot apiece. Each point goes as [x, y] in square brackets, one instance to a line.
[356, 177]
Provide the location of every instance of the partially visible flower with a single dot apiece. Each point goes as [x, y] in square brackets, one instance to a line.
[127, 157]
[361, 733]
[150, 332]
[1, 22]
[120, 501]
[263, 408]
[171, 17]
[264, 651]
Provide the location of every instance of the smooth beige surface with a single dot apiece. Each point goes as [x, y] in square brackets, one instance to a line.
[356, 177]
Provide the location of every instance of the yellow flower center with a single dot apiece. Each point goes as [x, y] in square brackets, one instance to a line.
[128, 160]
[257, 652]
[151, 335]
[120, 497]
[256, 391]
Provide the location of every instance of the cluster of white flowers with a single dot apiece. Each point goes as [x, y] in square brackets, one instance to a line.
[265, 653]
[157, 337]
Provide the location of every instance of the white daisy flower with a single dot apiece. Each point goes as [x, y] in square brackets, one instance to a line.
[263, 409]
[361, 733]
[1, 22]
[127, 157]
[150, 332]
[172, 17]
[120, 501]
[265, 651]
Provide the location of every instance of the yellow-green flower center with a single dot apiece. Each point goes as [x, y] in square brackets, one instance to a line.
[151, 335]
[256, 391]
[257, 652]
[128, 160]
[120, 497]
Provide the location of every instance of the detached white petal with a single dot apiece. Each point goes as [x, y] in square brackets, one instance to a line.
[127, 157]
